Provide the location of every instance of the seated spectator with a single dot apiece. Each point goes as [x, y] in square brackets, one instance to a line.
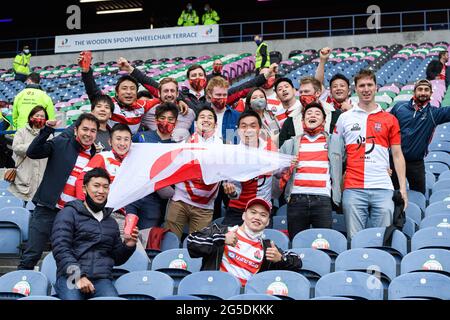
[86, 242]
[29, 172]
[240, 250]
[102, 108]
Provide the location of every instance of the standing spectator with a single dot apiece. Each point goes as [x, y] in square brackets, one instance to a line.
[310, 91]
[285, 91]
[30, 172]
[262, 59]
[67, 158]
[368, 133]
[210, 16]
[21, 64]
[166, 119]
[193, 201]
[417, 118]
[102, 108]
[217, 70]
[241, 192]
[28, 98]
[241, 250]
[257, 101]
[438, 69]
[188, 17]
[309, 187]
[86, 239]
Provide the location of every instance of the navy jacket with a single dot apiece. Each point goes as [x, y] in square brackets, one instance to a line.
[417, 127]
[434, 68]
[62, 153]
[80, 240]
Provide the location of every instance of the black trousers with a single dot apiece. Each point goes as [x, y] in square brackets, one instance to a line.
[41, 223]
[233, 217]
[304, 210]
[415, 174]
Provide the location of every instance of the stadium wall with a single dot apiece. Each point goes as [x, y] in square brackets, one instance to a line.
[284, 46]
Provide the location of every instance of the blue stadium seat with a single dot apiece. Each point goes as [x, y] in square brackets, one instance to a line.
[435, 167]
[431, 237]
[339, 223]
[137, 262]
[430, 260]
[420, 285]
[438, 220]
[437, 208]
[373, 238]
[4, 184]
[368, 260]
[38, 298]
[331, 298]
[18, 216]
[441, 195]
[438, 156]
[280, 223]
[144, 285]
[414, 212]
[282, 211]
[5, 193]
[180, 298]
[279, 238]
[108, 298]
[330, 241]
[10, 202]
[170, 241]
[254, 297]
[315, 263]
[445, 175]
[17, 284]
[282, 283]
[176, 263]
[351, 284]
[48, 268]
[210, 285]
[410, 227]
[417, 198]
[440, 185]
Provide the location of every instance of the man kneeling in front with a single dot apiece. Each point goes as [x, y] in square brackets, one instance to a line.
[86, 243]
[240, 250]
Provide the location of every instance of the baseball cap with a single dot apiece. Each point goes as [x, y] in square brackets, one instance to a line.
[260, 201]
[423, 82]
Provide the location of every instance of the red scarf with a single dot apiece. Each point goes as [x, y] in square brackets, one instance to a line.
[331, 100]
[313, 132]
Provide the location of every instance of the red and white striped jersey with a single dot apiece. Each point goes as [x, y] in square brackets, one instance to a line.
[69, 191]
[368, 137]
[196, 192]
[282, 114]
[244, 259]
[312, 175]
[132, 116]
[260, 186]
[105, 160]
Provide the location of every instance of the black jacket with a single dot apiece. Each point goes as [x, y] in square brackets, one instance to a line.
[209, 244]
[434, 68]
[62, 153]
[80, 240]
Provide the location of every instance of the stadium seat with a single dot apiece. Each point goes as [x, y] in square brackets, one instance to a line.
[280, 224]
[18, 284]
[440, 195]
[420, 285]
[48, 268]
[144, 285]
[438, 220]
[417, 198]
[282, 211]
[315, 263]
[4, 184]
[5, 193]
[445, 174]
[8, 201]
[176, 263]
[431, 237]
[256, 297]
[431, 260]
[210, 285]
[373, 238]
[13, 231]
[437, 208]
[368, 260]
[281, 283]
[38, 298]
[137, 262]
[351, 284]
[339, 223]
[435, 167]
[414, 212]
[330, 241]
[18, 216]
[331, 298]
[170, 241]
[438, 156]
[278, 237]
[410, 227]
[108, 298]
[441, 184]
[177, 297]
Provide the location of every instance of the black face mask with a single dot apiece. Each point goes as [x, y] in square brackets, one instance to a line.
[95, 207]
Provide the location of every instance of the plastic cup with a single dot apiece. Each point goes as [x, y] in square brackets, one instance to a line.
[131, 221]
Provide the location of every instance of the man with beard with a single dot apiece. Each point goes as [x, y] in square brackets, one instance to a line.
[417, 119]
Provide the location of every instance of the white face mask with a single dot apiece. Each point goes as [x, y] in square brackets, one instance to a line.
[251, 234]
[26, 51]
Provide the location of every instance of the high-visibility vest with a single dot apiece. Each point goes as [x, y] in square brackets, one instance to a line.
[258, 59]
[22, 63]
[188, 19]
[210, 17]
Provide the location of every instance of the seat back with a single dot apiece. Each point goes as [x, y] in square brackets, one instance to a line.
[152, 284]
[420, 285]
[210, 285]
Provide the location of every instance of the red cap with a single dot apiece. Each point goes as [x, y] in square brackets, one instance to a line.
[260, 201]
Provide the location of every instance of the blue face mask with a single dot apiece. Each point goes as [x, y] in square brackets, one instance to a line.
[258, 42]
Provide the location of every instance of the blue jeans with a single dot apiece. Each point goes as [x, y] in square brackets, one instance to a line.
[103, 288]
[360, 205]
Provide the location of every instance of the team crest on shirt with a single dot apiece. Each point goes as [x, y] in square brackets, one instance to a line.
[257, 255]
[356, 127]
[377, 126]
[325, 146]
[274, 109]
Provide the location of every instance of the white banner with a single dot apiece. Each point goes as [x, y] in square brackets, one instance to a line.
[152, 166]
[137, 38]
